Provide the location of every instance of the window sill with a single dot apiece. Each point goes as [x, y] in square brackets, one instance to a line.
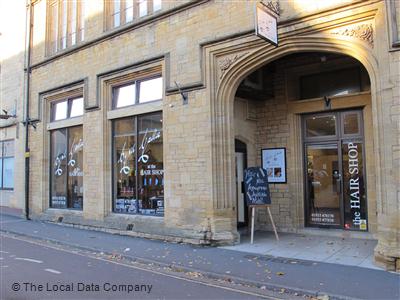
[134, 22]
[65, 123]
[55, 211]
[137, 217]
[65, 50]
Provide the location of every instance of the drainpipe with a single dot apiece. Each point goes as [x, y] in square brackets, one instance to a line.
[27, 69]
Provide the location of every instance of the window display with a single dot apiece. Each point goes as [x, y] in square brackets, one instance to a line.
[66, 189]
[138, 165]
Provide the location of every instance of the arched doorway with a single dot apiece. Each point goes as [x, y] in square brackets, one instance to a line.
[246, 61]
[321, 181]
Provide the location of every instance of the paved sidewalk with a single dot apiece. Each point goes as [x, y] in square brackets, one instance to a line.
[293, 274]
[329, 249]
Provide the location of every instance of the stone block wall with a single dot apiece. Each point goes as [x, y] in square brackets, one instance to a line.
[179, 39]
[12, 58]
[272, 132]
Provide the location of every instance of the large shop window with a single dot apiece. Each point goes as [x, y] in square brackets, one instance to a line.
[7, 165]
[138, 165]
[67, 168]
[66, 24]
[66, 147]
[122, 12]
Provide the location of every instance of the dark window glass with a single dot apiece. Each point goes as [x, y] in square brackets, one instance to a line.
[351, 123]
[354, 196]
[318, 126]
[323, 185]
[75, 167]
[150, 165]
[67, 168]
[138, 165]
[59, 152]
[336, 193]
[335, 83]
[125, 165]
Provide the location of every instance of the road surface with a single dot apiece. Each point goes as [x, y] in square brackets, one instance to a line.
[32, 271]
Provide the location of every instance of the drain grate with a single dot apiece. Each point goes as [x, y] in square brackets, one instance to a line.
[281, 260]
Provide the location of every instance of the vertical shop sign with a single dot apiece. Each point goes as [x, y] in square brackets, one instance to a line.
[354, 189]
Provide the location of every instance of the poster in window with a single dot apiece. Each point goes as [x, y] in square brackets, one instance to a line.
[274, 161]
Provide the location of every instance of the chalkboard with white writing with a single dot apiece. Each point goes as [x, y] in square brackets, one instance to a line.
[256, 186]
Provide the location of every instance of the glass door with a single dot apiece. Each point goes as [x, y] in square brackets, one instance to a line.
[323, 185]
[334, 170]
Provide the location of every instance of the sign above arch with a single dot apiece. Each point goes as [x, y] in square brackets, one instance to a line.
[266, 24]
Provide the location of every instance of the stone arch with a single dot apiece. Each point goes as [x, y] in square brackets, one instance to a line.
[266, 54]
[222, 103]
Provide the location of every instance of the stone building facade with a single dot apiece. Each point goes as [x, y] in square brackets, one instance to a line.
[143, 110]
[12, 93]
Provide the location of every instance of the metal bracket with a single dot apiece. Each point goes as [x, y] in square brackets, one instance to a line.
[184, 95]
[273, 6]
[30, 122]
[327, 101]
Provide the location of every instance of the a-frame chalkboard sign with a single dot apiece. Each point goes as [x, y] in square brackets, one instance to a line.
[257, 194]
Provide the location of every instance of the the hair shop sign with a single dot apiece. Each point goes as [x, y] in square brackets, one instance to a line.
[354, 186]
